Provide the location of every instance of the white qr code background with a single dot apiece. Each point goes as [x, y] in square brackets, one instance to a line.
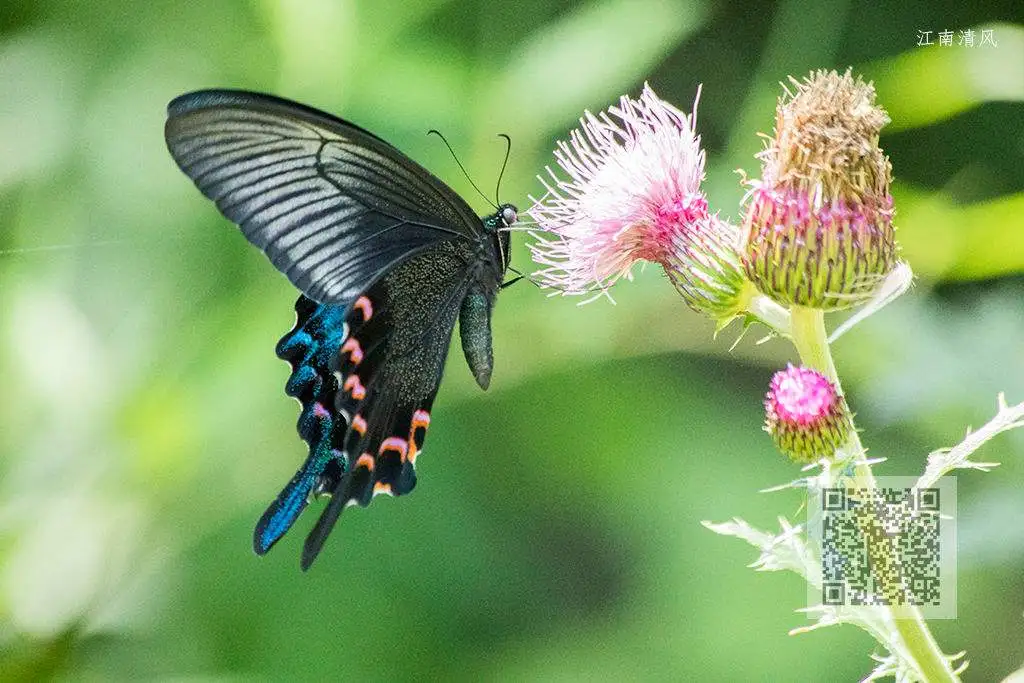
[870, 539]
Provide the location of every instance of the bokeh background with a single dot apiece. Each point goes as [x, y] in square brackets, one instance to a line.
[555, 532]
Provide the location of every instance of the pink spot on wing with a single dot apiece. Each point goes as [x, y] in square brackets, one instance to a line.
[355, 387]
[393, 443]
[351, 347]
[420, 420]
[365, 307]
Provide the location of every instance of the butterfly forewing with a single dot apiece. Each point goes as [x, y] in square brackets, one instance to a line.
[333, 206]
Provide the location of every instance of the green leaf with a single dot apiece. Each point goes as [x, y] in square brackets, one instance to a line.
[931, 84]
[599, 49]
[944, 241]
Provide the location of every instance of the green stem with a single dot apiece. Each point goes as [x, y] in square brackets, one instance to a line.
[811, 340]
[770, 313]
[766, 310]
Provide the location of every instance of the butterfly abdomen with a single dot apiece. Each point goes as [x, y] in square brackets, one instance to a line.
[475, 332]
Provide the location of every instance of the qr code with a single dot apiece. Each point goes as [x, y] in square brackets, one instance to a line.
[890, 545]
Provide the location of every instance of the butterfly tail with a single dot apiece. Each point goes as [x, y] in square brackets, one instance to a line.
[385, 465]
[283, 512]
[355, 488]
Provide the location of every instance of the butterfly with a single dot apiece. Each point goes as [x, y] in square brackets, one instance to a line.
[386, 257]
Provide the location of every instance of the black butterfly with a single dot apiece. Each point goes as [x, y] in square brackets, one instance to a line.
[386, 256]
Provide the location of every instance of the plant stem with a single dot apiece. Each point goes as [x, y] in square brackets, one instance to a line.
[811, 341]
[770, 313]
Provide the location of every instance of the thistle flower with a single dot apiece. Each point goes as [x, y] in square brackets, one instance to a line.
[805, 415]
[818, 229]
[633, 194]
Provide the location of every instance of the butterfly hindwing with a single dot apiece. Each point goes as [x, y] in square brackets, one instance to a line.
[366, 384]
[390, 391]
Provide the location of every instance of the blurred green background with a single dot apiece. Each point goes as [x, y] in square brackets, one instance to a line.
[555, 530]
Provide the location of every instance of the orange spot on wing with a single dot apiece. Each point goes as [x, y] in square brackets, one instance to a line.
[382, 487]
[359, 424]
[365, 460]
[393, 443]
[420, 418]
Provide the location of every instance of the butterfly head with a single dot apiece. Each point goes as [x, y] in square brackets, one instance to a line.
[502, 219]
[498, 224]
[508, 215]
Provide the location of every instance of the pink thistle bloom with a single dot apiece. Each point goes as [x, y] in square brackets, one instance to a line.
[805, 415]
[633, 194]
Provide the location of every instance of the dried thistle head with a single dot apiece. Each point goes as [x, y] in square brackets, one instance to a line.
[818, 228]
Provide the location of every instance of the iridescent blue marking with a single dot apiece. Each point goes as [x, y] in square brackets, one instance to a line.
[312, 348]
[283, 512]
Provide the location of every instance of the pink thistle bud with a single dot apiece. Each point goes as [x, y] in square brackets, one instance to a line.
[805, 415]
[818, 226]
[633, 194]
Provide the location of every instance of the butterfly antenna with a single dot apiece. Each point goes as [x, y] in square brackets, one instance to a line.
[501, 174]
[438, 134]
